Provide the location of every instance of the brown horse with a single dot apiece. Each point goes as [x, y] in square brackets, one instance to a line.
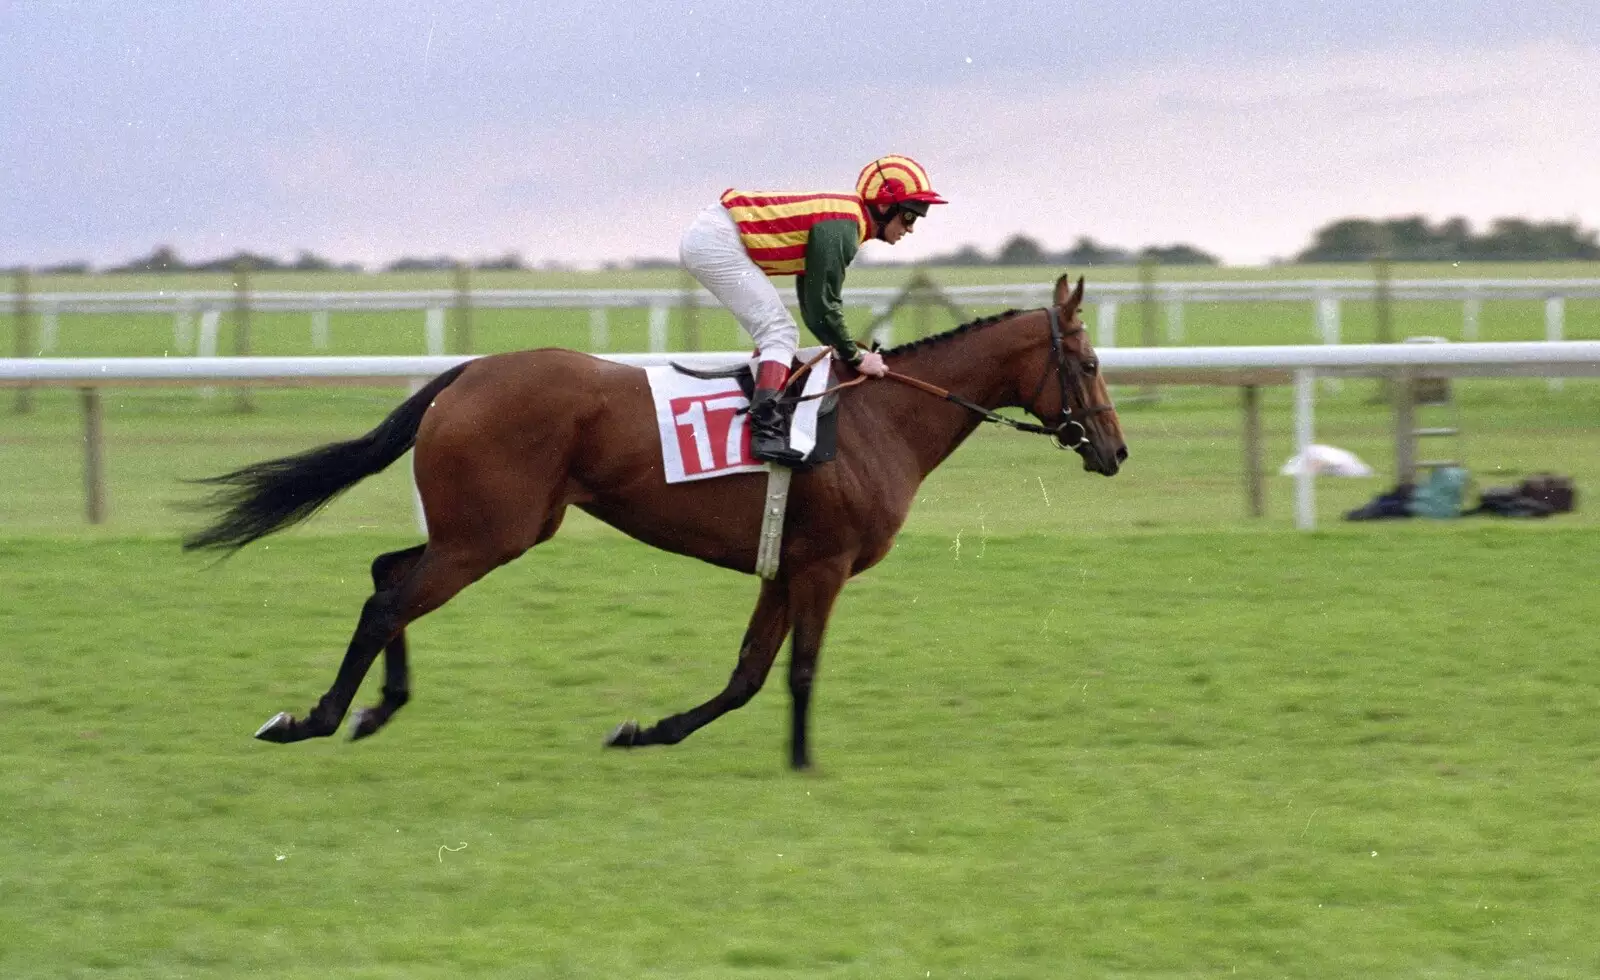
[504, 444]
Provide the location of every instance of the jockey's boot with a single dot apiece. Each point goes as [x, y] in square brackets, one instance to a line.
[769, 436]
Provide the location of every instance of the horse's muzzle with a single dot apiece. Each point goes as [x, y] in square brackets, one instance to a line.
[1104, 463]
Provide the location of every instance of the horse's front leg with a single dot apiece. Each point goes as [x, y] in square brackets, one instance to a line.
[769, 625]
[811, 599]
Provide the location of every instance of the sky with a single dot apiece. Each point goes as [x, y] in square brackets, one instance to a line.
[587, 132]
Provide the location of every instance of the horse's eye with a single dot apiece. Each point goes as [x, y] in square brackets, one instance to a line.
[1092, 367]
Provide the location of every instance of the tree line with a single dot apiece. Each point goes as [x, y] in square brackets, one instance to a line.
[1025, 250]
[1404, 239]
[1414, 239]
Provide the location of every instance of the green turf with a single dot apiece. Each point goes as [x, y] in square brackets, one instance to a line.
[1366, 752]
[1072, 727]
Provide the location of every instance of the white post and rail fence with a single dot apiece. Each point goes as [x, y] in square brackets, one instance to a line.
[1247, 368]
[446, 315]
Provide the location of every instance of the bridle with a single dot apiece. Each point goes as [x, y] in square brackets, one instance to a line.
[1066, 432]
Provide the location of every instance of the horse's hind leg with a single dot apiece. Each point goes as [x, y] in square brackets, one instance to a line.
[769, 624]
[388, 571]
[437, 576]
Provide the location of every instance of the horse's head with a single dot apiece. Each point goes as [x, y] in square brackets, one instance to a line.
[1077, 406]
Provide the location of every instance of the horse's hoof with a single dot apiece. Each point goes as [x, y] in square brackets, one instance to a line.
[363, 723]
[279, 728]
[623, 736]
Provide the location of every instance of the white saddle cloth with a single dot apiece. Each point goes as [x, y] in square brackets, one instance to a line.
[702, 422]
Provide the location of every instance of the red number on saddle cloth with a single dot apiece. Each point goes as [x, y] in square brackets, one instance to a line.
[712, 434]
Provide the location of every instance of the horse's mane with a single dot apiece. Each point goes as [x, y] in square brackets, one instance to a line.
[940, 338]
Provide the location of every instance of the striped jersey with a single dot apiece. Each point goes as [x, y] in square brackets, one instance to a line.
[776, 227]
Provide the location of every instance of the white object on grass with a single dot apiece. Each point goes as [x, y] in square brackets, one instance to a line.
[1320, 460]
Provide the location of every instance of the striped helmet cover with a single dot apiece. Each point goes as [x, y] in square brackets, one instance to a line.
[895, 178]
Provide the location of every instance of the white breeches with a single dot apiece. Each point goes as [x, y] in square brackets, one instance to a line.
[713, 254]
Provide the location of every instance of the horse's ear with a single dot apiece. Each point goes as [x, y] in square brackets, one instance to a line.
[1065, 295]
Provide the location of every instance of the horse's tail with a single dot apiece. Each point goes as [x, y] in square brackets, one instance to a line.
[265, 497]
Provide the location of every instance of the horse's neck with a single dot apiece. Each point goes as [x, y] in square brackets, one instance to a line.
[976, 365]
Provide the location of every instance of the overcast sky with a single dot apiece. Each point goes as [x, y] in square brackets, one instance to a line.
[593, 131]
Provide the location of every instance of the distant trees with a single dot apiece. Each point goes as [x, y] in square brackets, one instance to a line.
[1020, 250]
[1414, 239]
[439, 263]
[1026, 250]
[1087, 251]
[1408, 238]
[509, 262]
[165, 259]
[1179, 255]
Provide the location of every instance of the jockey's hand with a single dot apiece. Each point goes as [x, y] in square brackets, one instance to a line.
[871, 364]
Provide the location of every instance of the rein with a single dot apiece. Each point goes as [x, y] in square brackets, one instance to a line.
[1067, 432]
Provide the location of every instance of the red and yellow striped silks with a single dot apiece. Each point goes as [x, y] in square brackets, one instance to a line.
[775, 227]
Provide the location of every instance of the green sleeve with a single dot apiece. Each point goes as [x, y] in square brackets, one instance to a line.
[828, 253]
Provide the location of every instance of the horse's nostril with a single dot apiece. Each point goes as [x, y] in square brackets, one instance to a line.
[1122, 454]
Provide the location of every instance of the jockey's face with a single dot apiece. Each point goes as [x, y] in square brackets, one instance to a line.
[899, 226]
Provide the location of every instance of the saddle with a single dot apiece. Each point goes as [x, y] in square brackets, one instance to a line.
[827, 412]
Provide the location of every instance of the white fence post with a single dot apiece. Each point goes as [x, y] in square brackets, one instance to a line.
[1305, 502]
[1330, 327]
[658, 329]
[1175, 322]
[599, 329]
[207, 344]
[1471, 309]
[435, 330]
[1107, 323]
[320, 335]
[1555, 311]
[1329, 319]
[183, 328]
[49, 327]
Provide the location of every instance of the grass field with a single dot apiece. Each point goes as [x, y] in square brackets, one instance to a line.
[1072, 727]
[1112, 755]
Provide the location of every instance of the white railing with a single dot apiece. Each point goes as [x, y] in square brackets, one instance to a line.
[1245, 367]
[196, 313]
[1127, 365]
[1019, 294]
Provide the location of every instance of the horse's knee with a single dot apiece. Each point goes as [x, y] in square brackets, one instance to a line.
[741, 688]
[380, 618]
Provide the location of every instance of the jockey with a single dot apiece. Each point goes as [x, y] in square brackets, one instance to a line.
[735, 244]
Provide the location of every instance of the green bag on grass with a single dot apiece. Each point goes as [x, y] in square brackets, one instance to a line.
[1441, 495]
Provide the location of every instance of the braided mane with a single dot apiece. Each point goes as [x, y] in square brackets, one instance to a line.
[940, 338]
